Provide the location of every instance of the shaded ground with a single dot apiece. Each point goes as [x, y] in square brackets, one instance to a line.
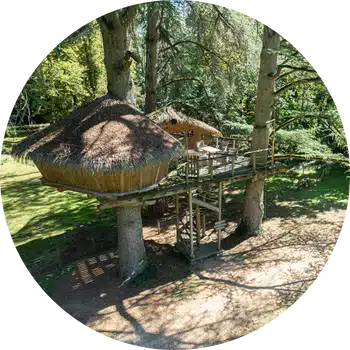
[177, 305]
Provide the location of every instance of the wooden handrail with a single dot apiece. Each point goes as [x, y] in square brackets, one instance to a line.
[258, 150]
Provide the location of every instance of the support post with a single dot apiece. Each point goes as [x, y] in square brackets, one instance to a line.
[186, 171]
[233, 165]
[198, 224]
[187, 157]
[191, 221]
[217, 142]
[177, 208]
[210, 165]
[204, 218]
[198, 167]
[220, 215]
[273, 145]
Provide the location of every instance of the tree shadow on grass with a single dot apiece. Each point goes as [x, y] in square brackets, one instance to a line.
[147, 311]
[43, 253]
[284, 199]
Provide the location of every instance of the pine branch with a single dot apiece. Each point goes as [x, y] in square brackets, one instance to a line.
[329, 158]
[297, 82]
[291, 120]
[224, 20]
[294, 69]
[295, 53]
[194, 43]
[217, 119]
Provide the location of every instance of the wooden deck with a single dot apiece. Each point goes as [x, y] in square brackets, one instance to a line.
[175, 184]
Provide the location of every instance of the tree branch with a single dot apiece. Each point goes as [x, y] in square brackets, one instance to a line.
[276, 74]
[133, 55]
[109, 21]
[224, 20]
[128, 13]
[192, 79]
[290, 57]
[291, 120]
[184, 79]
[194, 43]
[161, 19]
[301, 81]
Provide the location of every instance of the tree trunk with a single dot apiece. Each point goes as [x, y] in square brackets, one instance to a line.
[130, 241]
[114, 28]
[253, 210]
[151, 58]
[253, 207]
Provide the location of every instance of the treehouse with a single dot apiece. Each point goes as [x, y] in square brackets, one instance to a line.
[106, 146]
[176, 123]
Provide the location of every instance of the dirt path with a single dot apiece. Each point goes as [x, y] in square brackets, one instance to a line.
[182, 306]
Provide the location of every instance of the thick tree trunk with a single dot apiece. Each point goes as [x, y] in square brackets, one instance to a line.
[130, 241]
[114, 28]
[253, 210]
[253, 207]
[151, 58]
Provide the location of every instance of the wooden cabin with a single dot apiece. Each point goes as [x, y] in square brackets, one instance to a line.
[176, 123]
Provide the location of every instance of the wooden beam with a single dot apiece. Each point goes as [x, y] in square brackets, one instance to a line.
[177, 208]
[204, 223]
[233, 165]
[191, 222]
[198, 224]
[205, 204]
[219, 216]
[121, 204]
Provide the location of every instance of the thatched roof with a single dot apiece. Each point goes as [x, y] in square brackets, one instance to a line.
[168, 114]
[105, 135]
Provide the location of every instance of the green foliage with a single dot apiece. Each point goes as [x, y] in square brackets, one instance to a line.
[233, 128]
[72, 74]
[208, 66]
[300, 142]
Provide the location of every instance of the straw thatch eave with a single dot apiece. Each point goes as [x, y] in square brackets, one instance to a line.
[167, 114]
[106, 135]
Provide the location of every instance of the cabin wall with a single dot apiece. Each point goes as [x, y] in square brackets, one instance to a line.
[198, 135]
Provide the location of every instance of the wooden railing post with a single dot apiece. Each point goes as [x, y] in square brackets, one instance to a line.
[254, 161]
[210, 166]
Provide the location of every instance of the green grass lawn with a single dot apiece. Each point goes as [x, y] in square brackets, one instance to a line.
[42, 220]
